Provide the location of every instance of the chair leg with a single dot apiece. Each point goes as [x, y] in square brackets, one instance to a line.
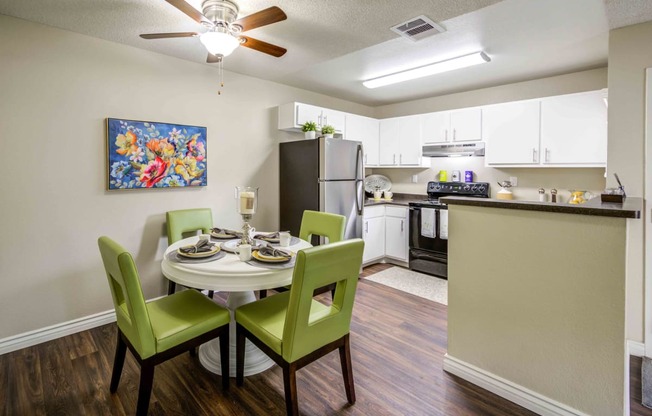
[210, 294]
[171, 287]
[118, 362]
[347, 369]
[224, 358]
[145, 388]
[262, 294]
[290, 383]
[239, 355]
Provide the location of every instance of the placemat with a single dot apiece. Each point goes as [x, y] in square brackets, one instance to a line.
[175, 257]
[288, 265]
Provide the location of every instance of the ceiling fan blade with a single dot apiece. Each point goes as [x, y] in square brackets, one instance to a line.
[169, 35]
[190, 11]
[261, 18]
[263, 47]
[213, 59]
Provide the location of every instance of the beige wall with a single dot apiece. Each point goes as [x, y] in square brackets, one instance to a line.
[529, 312]
[529, 179]
[629, 55]
[56, 88]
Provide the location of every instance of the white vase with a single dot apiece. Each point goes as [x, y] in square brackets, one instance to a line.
[328, 136]
[310, 134]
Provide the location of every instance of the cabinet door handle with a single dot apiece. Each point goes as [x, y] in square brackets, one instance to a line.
[400, 159]
[401, 225]
[454, 134]
[394, 162]
[325, 120]
[534, 155]
[319, 119]
[365, 159]
[446, 135]
[547, 155]
[366, 227]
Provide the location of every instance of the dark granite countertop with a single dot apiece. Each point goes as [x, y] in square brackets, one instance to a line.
[631, 208]
[397, 199]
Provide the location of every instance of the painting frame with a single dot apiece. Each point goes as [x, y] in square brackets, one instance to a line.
[152, 155]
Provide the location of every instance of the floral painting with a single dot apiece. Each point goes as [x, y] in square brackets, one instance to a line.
[144, 154]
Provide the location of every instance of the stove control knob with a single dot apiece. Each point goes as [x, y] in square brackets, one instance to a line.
[475, 188]
[481, 188]
[437, 187]
[467, 188]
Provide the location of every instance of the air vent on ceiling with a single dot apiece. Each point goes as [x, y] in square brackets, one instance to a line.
[418, 28]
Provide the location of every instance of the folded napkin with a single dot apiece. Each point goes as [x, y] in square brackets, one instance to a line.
[217, 230]
[202, 246]
[270, 236]
[274, 252]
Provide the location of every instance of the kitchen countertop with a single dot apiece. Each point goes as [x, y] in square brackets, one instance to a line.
[631, 208]
[397, 199]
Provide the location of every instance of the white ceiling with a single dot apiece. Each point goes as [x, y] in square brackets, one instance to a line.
[334, 45]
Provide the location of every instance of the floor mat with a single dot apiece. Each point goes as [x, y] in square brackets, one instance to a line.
[419, 284]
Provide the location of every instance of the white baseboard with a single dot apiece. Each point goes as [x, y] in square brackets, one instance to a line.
[635, 348]
[511, 391]
[27, 339]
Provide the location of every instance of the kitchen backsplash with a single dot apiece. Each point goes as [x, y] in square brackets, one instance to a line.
[529, 179]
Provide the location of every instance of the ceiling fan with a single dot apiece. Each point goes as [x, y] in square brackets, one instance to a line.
[225, 30]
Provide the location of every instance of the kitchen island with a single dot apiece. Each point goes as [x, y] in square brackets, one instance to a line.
[538, 316]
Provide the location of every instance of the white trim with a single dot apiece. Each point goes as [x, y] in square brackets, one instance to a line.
[27, 339]
[635, 348]
[37, 336]
[511, 391]
[647, 227]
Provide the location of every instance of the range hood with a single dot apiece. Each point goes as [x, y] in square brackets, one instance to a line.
[453, 150]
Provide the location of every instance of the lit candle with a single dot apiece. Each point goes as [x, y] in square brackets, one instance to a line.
[247, 202]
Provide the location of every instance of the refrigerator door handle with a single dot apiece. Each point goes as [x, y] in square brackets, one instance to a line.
[359, 174]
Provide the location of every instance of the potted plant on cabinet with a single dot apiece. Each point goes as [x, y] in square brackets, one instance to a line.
[309, 128]
[328, 131]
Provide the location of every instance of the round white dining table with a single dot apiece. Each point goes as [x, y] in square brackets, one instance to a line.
[240, 279]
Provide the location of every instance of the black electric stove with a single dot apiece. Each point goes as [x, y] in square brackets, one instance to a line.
[429, 250]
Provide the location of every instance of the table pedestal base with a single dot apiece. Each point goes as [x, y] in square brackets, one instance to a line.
[256, 361]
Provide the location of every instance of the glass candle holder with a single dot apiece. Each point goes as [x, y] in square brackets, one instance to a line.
[246, 204]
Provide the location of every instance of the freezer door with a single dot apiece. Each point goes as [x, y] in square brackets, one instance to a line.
[343, 197]
[339, 159]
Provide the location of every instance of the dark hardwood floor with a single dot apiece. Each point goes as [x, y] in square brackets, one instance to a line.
[398, 342]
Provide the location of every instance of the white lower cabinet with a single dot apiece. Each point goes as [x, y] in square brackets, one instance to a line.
[396, 233]
[385, 233]
[373, 233]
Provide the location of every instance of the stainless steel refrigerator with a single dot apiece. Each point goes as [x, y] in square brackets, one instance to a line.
[322, 175]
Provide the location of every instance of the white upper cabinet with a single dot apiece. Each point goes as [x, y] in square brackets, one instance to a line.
[365, 130]
[400, 141]
[389, 142]
[511, 131]
[292, 115]
[574, 129]
[452, 126]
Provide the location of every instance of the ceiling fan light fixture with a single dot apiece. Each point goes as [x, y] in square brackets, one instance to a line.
[427, 70]
[219, 43]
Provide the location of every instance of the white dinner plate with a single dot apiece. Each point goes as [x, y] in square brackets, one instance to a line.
[215, 250]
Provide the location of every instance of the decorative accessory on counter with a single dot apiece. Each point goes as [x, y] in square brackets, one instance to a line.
[542, 195]
[612, 195]
[620, 185]
[468, 176]
[388, 195]
[247, 204]
[377, 183]
[553, 195]
[504, 192]
[443, 176]
[455, 177]
[310, 129]
[579, 197]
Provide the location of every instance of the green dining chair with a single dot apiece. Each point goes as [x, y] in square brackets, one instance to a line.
[159, 330]
[293, 329]
[185, 221]
[322, 224]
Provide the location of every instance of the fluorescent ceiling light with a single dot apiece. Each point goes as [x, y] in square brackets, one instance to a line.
[430, 69]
